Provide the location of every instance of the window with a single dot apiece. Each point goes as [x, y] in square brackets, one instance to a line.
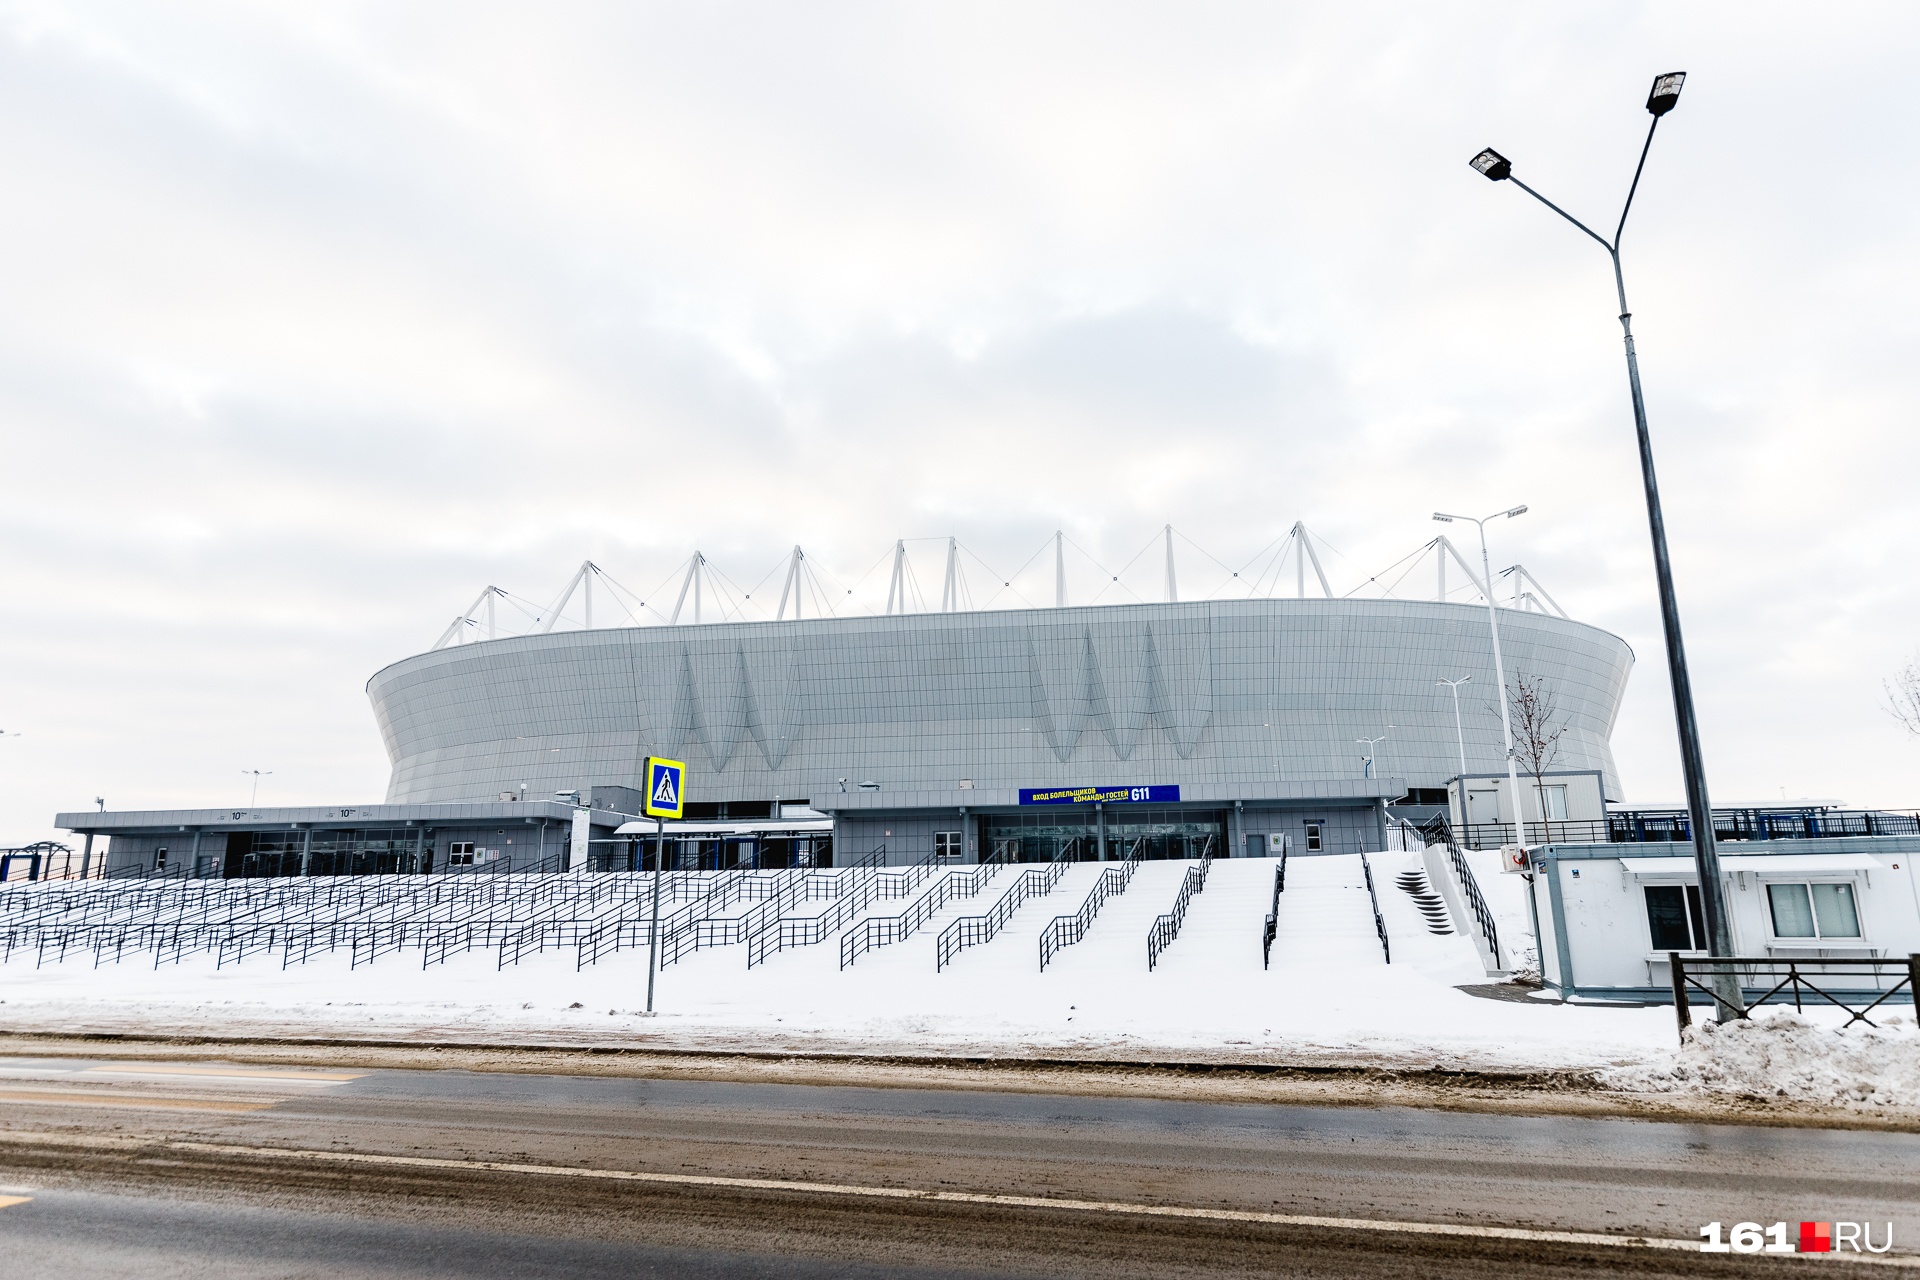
[460, 853]
[1673, 917]
[1313, 837]
[160, 860]
[1555, 803]
[1813, 911]
[946, 846]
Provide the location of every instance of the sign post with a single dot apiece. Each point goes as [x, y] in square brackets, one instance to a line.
[665, 798]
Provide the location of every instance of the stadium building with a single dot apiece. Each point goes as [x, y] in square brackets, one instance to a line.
[1236, 723]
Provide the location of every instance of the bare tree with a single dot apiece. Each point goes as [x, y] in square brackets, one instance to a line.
[1903, 696]
[1536, 734]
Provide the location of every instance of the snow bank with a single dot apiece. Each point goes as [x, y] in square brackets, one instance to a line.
[1329, 998]
[1787, 1056]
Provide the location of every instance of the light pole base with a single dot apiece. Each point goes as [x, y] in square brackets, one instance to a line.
[1730, 1003]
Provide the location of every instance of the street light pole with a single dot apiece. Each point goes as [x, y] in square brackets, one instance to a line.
[1499, 668]
[1370, 744]
[1493, 165]
[1460, 734]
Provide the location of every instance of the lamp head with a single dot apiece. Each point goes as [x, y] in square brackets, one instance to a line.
[1517, 511]
[1490, 164]
[869, 786]
[1665, 93]
[1442, 519]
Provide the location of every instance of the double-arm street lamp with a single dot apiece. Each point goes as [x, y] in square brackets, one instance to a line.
[1460, 736]
[1665, 94]
[1499, 672]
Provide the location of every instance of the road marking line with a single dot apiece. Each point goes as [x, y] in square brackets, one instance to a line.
[7, 1202]
[854, 1191]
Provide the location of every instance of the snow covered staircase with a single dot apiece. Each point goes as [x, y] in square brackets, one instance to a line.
[1326, 918]
[1117, 942]
[1432, 907]
[1224, 921]
[1014, 941]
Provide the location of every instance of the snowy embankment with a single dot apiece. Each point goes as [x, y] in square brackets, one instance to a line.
[1329, 999]
[1781, 1055]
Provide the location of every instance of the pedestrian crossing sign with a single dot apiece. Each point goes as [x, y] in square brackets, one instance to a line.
[665, 796]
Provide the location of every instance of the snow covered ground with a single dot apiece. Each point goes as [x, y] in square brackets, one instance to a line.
[1779, 1054]
[1329, 997]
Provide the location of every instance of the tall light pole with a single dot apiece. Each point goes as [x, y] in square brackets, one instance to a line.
[1370, 744]
[1499, 667]
[1460, 735]
[257, 774]
[1490, 163]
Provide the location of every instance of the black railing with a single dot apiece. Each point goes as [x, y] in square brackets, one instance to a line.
[972, 931]
[1166, 927]
[1064, 931]
[880, 931]
[1804, 978]
[853, 889]
[1476, 903]
[1676, 827]
[1273, 915]
[1379, 923]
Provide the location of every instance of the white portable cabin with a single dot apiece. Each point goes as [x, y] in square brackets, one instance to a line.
[1608, 915]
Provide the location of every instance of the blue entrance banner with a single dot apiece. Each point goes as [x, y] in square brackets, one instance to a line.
[1092, 795]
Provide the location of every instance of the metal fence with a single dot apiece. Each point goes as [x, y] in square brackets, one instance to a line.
[1765, 979]
[1676, 827]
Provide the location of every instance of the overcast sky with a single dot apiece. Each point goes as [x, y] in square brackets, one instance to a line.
[314, 322]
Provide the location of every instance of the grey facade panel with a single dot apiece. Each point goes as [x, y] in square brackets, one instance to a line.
[1244, 699]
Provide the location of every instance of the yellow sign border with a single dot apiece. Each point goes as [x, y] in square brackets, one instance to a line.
[647, 805]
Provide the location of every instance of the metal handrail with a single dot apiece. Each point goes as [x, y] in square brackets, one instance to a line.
[855, 888]
[1470, 889]
[1166, 927]
[881, 931]
[1064, 931]
[1379, 923]
[1273, 916]
[972, 931]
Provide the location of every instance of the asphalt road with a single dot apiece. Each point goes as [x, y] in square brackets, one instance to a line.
[162, 1169]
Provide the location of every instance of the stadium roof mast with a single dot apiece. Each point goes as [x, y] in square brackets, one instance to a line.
[486, 597]
[696, 571]
[1302, 552]
[1662, 98]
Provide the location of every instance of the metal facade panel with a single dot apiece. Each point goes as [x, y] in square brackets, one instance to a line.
[1250, 698]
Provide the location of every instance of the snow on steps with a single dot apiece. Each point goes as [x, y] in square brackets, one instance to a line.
[1326, 919]
[1450, 957]
[1015, 950]
[1117, 942]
